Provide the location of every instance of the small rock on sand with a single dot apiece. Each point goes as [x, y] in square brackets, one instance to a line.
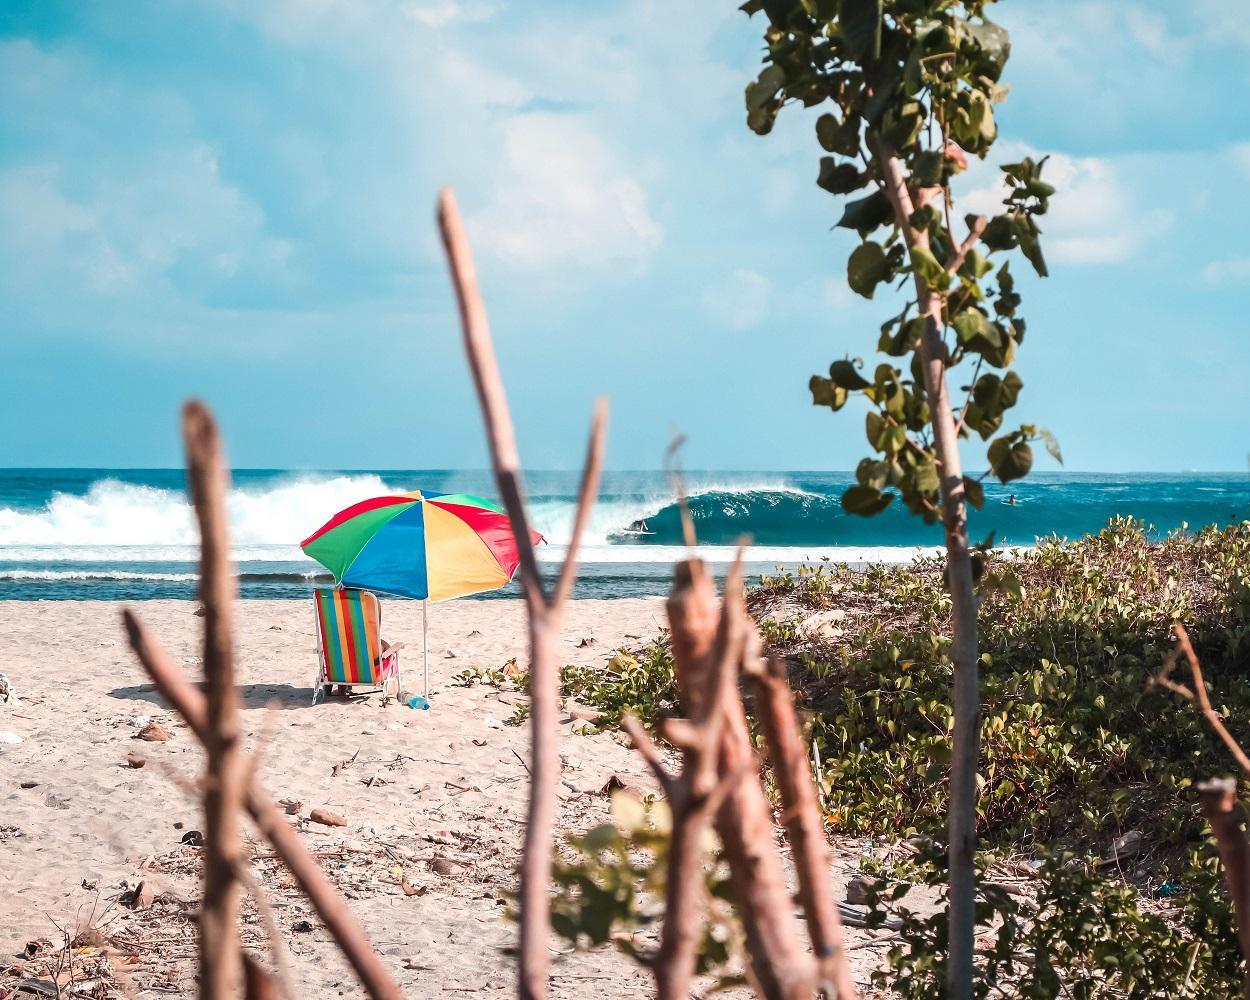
[153, 732]
[135, 760]
[327, 818]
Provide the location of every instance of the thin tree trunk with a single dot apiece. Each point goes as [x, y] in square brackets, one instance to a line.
[965, 688]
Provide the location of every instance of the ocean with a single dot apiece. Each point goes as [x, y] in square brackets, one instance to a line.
[128, 534]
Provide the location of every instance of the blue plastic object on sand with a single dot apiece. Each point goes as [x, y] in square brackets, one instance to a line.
[416, 701]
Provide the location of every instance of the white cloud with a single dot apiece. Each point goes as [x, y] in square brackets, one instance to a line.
[740, 300]
[564, 198]
[440, 13]
[1093, 217]
[1223, 273]
[1241, 158]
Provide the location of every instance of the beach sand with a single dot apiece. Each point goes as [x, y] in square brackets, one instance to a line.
[443, 791]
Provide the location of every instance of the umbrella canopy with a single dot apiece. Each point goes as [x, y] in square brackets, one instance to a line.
[431, 546]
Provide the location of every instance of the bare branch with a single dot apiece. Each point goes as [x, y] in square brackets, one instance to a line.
[209, 483]
[586, 495]
[544, 613]
[1219, 804]
[974, 234]
[779, 966]
[277, 946]
[490, 391]
[801, 816]
[672, 465]
[270, 820]
[1199, 694]
[650, 753]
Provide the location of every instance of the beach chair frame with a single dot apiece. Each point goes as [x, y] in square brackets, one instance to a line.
[323, 681]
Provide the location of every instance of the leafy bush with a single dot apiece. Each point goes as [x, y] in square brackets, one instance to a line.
[1077, 748]
[1080, 935]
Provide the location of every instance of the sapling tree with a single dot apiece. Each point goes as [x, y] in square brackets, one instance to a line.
[908, 89]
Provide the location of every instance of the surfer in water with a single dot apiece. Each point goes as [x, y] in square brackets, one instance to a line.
[639, 527]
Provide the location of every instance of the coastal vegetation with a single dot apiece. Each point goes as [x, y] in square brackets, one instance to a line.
[1088, 804]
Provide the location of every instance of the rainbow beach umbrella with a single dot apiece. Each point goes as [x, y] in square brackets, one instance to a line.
[428, 546]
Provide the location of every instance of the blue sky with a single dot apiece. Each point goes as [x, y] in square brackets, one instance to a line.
[234, 199]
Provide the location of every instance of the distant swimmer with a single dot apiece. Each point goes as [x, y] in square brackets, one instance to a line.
[1012, 500]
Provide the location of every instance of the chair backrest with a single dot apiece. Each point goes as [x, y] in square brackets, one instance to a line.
[351, 641]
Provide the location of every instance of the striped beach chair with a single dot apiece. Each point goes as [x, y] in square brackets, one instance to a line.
[349, 642]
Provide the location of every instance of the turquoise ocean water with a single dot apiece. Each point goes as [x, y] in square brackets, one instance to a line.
[113, 534]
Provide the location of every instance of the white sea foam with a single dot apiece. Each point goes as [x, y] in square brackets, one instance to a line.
[116, 514]
[58, 575]
[116, 521]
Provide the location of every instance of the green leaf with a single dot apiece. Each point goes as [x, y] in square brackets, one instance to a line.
[928, 168]
[1052, 444]
[839, 178]
[760, 92]
[992, 39]
[825, 392]
[1010, 461]
[974, 493]
[970, 324]
[867, 267]
[927, 480]
[872, 473]
[866, 214]
[865, 501]
[993, 395]
[838, 138]
[926, 265]
[861, 28]
[846, 374]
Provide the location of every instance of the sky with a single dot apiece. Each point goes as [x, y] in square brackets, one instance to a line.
[234, 199]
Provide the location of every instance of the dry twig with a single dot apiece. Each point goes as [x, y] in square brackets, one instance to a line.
[270, 820]
[779, 966]
[694, 795]
[544, 610]
[1222, 810]
[801, 815]
[223, 785]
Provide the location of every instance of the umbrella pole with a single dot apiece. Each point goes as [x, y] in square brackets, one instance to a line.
[425, 646]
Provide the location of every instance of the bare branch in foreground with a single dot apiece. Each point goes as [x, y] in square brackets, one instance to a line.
[209, 482]
[545, 612]
[1222, 810]
[804, 828]
[1199, 694]
[779, 966]
[272, 823]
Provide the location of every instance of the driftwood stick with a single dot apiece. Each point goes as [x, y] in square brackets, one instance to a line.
[1204, 700]
[492, 398]
[545, 612]
[1222, 810]
[779, 966]
[272, 823]
[806, 833]
[587, 491]
[209, 483]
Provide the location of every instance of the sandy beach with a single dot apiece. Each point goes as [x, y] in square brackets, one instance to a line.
[443, 790]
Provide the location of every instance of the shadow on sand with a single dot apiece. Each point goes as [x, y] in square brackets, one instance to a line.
[250, 695]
